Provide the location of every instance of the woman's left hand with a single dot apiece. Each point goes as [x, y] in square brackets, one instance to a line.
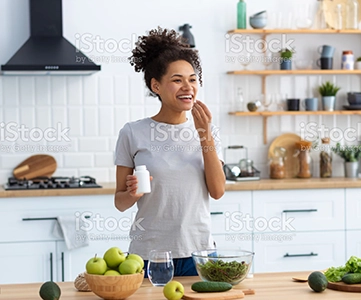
[202, 118]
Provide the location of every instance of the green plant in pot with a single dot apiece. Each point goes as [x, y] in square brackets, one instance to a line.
[351, 154]
[286, 59]
[328, 93]
[358, 63]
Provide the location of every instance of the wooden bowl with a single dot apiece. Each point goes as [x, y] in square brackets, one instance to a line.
[114, 287]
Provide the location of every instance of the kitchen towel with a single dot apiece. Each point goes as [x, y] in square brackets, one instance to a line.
[69, 228]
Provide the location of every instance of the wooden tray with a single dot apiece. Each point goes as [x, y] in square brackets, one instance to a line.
[329, 7]
[340, 286]
[287, 141]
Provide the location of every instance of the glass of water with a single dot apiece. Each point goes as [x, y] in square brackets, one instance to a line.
[160, 267]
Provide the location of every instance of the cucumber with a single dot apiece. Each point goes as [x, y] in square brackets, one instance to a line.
[352, 278]
[208, 286]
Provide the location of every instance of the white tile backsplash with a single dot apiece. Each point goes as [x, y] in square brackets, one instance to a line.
[78, 160]
[74, 90]
[10, 88]
[93, 144]
[106, 121]
[90, 121]
[58, 90]
[42, 90]
[26, 91]
[106, 90]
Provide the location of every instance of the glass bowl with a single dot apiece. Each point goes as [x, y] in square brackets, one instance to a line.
[303, 64]
[230, 266]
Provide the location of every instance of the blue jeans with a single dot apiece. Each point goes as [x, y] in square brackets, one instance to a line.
[182, 267]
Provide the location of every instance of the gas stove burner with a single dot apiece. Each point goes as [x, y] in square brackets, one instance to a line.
[51, 183]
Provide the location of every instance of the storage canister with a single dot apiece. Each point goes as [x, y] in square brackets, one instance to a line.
[347, 60]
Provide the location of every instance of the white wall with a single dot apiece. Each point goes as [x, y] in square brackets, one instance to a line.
[96, 107]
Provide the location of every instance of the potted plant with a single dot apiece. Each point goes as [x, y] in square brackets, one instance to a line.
[328, 93]
[358, 63]
[286, 59]
[351, 154]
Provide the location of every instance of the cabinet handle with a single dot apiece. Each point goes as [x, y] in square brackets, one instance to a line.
[298, 255]
[235, 147]
[216, 213]
[51, 266]
[45, 219]
[299, 210]
[62, 266]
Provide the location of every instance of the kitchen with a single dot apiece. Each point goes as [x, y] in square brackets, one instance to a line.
[95, 107]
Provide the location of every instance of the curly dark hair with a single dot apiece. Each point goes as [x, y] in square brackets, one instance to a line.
[153, 53]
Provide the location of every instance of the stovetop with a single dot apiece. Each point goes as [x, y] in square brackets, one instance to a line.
[51, 183]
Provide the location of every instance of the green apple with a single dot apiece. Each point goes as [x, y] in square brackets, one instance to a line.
[137, 258]
[96, 265]
[130, 266]
[111, 273]
[173, 290]
[114, 257]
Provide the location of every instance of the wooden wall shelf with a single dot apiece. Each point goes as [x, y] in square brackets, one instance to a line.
[295, 31]
[295, 72]
[266, 114]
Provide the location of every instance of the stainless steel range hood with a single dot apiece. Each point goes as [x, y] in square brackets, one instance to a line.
[47, 52]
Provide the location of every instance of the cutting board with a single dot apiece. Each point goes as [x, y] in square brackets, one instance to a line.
[40, 165]
[340, 286]
[231, 294]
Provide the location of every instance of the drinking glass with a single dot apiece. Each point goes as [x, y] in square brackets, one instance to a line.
[266, 101]
[160, 267]
[245, 59]
[267, 59]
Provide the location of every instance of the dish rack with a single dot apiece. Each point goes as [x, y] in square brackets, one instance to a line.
[242, 171]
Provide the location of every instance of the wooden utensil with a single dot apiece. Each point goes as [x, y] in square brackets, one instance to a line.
[344, 287]
[40, 165]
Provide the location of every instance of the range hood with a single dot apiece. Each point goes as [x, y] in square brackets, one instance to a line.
[47, 52]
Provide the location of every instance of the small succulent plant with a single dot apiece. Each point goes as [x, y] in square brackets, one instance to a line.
[328, 89]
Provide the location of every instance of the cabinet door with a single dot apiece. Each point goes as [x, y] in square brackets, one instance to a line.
[27, 262]
[299, 210]
[353, 208]
[353, 243]
[72, 262]
[285, 252]
[230, 212]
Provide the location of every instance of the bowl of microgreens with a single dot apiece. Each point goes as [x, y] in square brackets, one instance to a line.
[230, 266]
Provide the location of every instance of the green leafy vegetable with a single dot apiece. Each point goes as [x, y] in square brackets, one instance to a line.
[218, 270]
[335, 274]
[353, 265]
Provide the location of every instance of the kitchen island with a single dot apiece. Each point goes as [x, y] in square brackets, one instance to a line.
[266, 286]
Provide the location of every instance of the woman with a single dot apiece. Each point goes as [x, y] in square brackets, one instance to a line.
[183, 155]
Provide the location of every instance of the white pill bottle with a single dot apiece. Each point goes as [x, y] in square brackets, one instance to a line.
[143, 177]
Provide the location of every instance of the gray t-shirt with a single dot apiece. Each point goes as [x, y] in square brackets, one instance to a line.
[175, 215]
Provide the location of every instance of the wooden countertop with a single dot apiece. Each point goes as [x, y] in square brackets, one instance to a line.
[263, 184]
[266, 286]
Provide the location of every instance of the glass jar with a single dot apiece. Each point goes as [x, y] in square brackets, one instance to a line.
[325, 159]
[320, 18]
[303, 149]
[277, 168]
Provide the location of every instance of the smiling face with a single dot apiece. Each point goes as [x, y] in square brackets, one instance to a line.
[178, 87]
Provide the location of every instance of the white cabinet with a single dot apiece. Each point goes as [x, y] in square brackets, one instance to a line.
[353, 208]
[299, 210]
[299, 251]
[229, 215]
[27, 262]
[353, 246]
[297, 230]
[28, 244]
